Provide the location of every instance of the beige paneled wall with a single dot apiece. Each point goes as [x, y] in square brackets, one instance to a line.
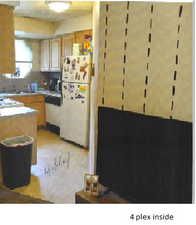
[35, 45]
[74, 24]
[145, 60]
[136, 56]
[113, 54]
[32, 25]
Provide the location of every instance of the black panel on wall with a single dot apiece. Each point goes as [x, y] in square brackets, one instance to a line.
[145, 159]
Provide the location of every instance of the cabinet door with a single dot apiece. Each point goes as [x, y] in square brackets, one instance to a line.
[80, 35]
[67, 45]
[29, 98]
[45, 55]
[40, 107]
[55, 54]
[35, 102]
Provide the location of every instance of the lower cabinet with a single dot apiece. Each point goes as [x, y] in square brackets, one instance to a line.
[36, 102]
[39, 106]
[53, 114]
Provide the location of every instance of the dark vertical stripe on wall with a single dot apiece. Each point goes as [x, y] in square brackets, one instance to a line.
[149, 37]
[149, 41]
[144, 108]
[179, 26]
[150, 23]
[125, 53]
[105, 52]
[180, 10]
[179, 15]
[177, 43]
[175, 74]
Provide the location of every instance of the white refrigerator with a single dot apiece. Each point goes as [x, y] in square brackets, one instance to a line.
[75, 106]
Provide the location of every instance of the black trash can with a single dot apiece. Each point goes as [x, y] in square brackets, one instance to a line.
[16, 154]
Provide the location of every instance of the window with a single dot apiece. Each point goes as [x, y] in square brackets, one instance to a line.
[24, 57]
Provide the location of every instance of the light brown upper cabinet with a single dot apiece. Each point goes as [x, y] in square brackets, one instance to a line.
[7, 49]
[51, 55]
[79, 36]
[69, 39]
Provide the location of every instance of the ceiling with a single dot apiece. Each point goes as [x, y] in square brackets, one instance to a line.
[38, 9]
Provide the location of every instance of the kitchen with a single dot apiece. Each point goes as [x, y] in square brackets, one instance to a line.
[45, 41]
[110, 84]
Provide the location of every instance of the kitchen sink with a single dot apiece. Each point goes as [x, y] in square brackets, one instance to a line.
[24, 92]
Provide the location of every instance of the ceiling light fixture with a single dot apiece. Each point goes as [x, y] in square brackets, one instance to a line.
[58, 6]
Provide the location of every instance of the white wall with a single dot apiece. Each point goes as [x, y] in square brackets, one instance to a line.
[74, 24]
[39, 29]
[93, 107]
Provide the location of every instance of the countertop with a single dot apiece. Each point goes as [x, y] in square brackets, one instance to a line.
[45, 92]
[7, 103]
[7, 95]
[15, 112]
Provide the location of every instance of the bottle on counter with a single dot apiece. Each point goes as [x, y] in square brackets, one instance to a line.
[34, 87]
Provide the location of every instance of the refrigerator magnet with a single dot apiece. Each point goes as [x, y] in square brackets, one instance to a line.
[68, 60]
[83, 68]
[73, 64]
[79, 96]
[70, 88]
[84, 75]
[82, 89]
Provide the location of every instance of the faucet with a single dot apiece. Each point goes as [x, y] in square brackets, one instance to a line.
[14, 88]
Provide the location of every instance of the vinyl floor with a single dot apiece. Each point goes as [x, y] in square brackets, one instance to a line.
[59, 172]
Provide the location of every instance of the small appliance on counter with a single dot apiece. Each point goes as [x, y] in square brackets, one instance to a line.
[53, 84]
